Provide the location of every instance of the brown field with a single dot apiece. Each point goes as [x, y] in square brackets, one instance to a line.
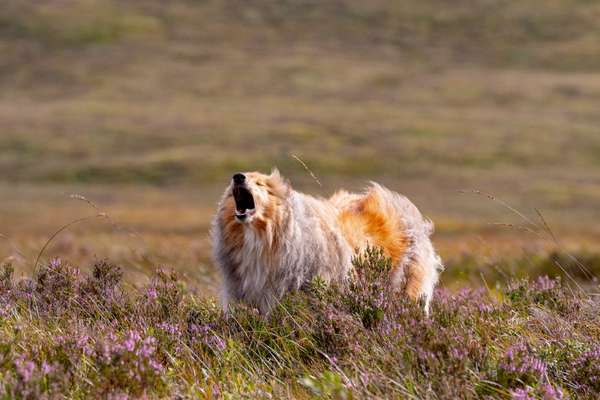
[146, 110]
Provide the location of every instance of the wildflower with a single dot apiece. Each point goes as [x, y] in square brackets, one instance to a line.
[585, 369]
[25, 368]
[548, 392]
[216, 342]
[521, 394]
[152, 293]
[207, 337]
[544, 283]
[147, 348]
[170, 329]
[132, 338]
[520, 365]
[155, 365]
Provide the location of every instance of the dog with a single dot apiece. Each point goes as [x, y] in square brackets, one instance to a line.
[269, 239]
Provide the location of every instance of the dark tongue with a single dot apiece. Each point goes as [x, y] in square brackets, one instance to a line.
[243, 199]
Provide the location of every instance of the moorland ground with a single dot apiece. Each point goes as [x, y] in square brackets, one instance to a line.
[146, 109]
[70, 335]
[122, 122]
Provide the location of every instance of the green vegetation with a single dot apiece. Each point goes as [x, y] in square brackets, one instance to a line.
[425, 97]
[64, 334]
[146, 108]
[429, 98]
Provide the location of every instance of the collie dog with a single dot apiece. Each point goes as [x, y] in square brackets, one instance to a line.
[269, 239]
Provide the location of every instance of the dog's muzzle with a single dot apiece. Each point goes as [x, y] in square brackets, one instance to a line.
[244, 201]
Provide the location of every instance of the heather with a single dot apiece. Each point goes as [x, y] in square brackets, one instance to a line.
[65, 333]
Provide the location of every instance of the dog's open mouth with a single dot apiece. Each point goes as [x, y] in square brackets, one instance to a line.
[244, 202]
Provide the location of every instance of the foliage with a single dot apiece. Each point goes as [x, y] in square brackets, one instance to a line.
[66, 334]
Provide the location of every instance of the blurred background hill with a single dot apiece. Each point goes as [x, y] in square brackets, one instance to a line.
[146, 108]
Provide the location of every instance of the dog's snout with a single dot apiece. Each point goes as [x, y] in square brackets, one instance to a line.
[238, 178]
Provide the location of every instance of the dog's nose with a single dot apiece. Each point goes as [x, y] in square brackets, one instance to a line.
[238, 178]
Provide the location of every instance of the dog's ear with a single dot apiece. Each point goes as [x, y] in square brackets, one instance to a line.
[275, 173]
[279, 184]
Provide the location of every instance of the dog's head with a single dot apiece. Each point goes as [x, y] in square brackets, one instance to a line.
[254, 197]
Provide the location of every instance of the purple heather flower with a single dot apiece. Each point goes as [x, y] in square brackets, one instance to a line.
[24, 368]
[521, 394]
[152, 293]
[47, 368]
[147, 348]
[520, 363]
[485, 307]
[155, 365]
[544, 283]
[217, 342]
[549, 392]
[171, 329]
[132, 338]
[458, 353]
[55, 263]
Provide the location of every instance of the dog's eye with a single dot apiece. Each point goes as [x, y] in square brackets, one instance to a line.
[259, 184]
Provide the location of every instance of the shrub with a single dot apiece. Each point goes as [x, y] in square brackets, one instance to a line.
[68, 334]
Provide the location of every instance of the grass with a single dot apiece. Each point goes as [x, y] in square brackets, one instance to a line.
[159, 108]
[169, 226]
[147, 109]
[428, 98]
[81, 336]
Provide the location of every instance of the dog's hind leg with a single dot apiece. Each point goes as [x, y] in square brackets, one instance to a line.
[419, 285]
[421, 275]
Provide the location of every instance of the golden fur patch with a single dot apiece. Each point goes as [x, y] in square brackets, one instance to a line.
[365, 222]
